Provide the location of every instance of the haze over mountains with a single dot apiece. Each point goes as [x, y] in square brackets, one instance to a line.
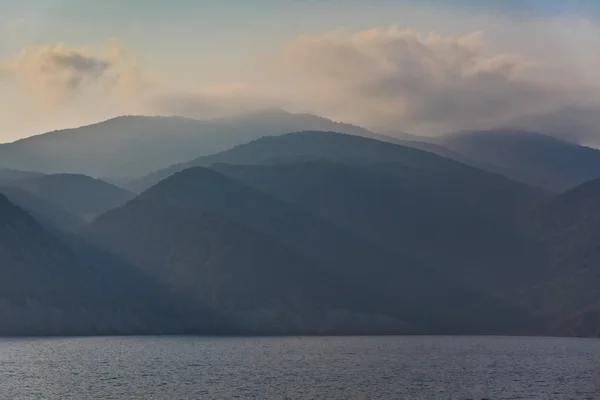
[281, 223]
[8, 175]
[534, 158]
[81, 195]
[132, 146]
[337, 269]
[48, 287]
[63, 201]
[128, 148]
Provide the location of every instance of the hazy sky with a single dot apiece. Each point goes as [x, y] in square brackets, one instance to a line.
[418, 66]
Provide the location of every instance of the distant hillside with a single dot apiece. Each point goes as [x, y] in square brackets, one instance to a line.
[400, 209]
[49, 288]
[78, 195]
[565, 229]
[244, 275]
[47, 213]
[9, 175]
[425, 143]
[533, 158]
[333, 146]
[132, 146]
[312, 232]
[191, 228]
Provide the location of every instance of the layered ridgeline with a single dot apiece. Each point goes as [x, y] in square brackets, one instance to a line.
[392, 194]
[333, 146]
[473, 228]
[9, 175]
[49, 287]
[48, 214]
[308, 232]
[534, 158]
[396, 196]
[64, 202]
[401, 201]
[129, 147]
[132, 146]
[272, 267]
[484, 228]
[80, 195]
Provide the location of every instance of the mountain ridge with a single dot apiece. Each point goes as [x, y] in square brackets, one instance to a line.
[531, 157]
[392, 284]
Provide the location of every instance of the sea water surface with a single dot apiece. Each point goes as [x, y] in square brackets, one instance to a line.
[300, 368]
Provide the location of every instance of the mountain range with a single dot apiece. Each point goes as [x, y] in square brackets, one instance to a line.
[54, 286]
[132, 146]
[128, 148]
[333, 267]
[266, 224]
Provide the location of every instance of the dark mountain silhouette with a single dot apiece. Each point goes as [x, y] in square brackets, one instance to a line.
[568, 227]
[333, 146]
[472, 228]
[342, 278]
[51, 288]
[311, 232]
[536, 159]
[244, 275]
[133, 146]
[78, 195]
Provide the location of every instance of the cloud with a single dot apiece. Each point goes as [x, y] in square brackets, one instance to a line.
[59, 73]
[425, 83]
[58, 86]
[390, 79]
[216, 101]
[384, 78]
[577, 123]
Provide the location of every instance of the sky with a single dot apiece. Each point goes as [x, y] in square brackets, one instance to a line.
[423, 67]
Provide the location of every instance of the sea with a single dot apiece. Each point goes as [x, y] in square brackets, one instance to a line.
[277, 368]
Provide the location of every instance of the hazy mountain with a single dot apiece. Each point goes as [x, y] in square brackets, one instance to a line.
[132, 146]
[45, 212]
[564, 230]
[425, 143]
[48, 287]
[312, 232]
[198, 226]
[472, 227]
[245, 275]
[9, 175]
[577, 124]
[78, 195]
[533, 158]
[568, 226]
[338, 147]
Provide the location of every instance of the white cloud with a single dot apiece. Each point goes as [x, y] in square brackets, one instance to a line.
[424, 83]
[387, 77]
[216, 101]
[52, 86]
[59, 73]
